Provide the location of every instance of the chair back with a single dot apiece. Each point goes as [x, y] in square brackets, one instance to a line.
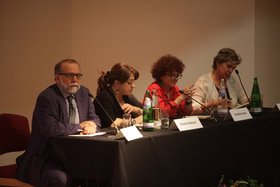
[14, 133]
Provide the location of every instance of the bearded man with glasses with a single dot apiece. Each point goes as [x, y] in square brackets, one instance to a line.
[62, 109]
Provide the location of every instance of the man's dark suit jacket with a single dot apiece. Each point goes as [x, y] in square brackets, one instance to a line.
[50, 119]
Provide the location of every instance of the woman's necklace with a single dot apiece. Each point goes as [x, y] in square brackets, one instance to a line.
[215, 79]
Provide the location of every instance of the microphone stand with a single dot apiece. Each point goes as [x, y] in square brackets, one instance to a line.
[237, 72]
[94, 98]
[210, 111]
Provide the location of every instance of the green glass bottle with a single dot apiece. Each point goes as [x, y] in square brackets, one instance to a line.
[148, 120]
[256, 100]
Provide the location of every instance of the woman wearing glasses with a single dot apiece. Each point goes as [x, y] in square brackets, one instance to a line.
[166, 71]
[114, 96]
[208, 85]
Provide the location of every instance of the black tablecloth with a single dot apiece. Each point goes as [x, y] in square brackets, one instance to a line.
[195, 158]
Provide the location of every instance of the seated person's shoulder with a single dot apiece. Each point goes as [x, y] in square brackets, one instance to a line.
[104, 94]
[83, 89]
[153, 86]
[204, 79]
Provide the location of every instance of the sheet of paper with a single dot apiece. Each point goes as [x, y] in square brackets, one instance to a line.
[88, 135]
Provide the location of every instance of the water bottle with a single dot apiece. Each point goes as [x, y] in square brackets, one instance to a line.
[148, 120]
[255, 101]
[222, 106]
[156, 109]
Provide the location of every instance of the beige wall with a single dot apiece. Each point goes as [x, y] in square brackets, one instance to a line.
[34, 35]
[139, 32]
[267, 49]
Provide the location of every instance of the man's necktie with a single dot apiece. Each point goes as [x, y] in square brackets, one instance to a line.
[72, 112]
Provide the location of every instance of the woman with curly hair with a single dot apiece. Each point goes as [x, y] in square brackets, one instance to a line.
[166, 71]
[114, 95]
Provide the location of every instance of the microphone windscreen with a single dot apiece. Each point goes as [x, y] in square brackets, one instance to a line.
[237, 72]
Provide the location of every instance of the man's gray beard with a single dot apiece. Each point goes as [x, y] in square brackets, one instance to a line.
[71, 89]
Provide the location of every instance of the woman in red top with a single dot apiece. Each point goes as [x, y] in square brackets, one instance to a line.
[166, 71]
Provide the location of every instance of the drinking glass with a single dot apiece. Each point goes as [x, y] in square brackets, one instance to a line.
[164, 118]
[126, 120]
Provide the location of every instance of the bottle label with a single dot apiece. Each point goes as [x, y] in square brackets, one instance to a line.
[255, 110]
[222, 94]
[149, 125]
[147, 103]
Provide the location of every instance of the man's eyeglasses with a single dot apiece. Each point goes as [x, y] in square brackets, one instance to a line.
[72, 75]
[174, 76]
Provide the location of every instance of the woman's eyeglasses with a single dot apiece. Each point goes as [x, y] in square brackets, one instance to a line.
[175, 76]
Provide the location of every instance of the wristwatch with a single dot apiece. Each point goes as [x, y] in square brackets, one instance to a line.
[189, 101]
[133, 121]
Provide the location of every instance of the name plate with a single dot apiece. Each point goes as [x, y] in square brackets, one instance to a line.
[131, 133]
[240, 114]
[276, 108]
[188, 123]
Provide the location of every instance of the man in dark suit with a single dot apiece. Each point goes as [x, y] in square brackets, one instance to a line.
[56, 115]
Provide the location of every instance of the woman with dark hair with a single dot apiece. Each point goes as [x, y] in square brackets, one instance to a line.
[114, 96]
[207, 86]
[166, 71]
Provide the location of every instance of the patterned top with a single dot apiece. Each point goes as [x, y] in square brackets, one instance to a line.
[205, 89]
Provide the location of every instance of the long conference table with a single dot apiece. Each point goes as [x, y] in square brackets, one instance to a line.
[194, 158]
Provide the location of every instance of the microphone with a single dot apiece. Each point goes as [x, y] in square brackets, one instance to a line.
[237, 72]
[210, 111]
[105, 111]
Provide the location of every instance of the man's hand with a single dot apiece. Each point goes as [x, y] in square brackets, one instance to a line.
[89, 127]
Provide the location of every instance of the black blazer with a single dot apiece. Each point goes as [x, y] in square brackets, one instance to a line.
[108, 100]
